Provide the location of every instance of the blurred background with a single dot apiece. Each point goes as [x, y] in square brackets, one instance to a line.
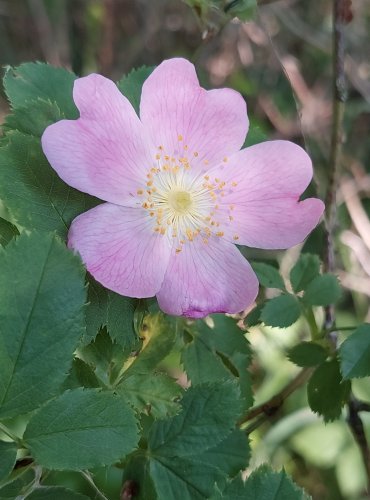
[281, 63]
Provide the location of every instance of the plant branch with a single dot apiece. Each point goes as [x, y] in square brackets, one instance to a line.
[89, 479]
[357, 428]
[270, 407]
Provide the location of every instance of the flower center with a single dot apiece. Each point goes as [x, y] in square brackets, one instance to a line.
[180, 201]
[183, 203]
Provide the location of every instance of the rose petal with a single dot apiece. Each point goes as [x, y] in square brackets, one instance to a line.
[264, 204]
[104, 153]
[212, 123]
[120, 249]
[204, 279]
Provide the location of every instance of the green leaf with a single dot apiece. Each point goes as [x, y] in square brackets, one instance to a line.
[322, 291]
[268, 276]
[307, 354]
[255, 136]
[113, 311]
[34, 118]
[32, 81]
[327, 391]
[33, 192]
[209, 415]
[42, 319]
[80, 375]
[354, 354]
[281, 311]
[158, 337]
[20, 485]
[218, 353]
[304, 271]
[131, 84]
[80, 429]
[158, 394]
[7, 231]
[242, 9]
[264, 483]
[104, 357]
[254, 317]
[55, 493]
[8, 455]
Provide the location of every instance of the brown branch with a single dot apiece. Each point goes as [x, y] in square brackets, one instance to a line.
[357, 428]
[274, 404]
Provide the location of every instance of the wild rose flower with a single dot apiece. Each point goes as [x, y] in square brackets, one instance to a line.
[179, 192]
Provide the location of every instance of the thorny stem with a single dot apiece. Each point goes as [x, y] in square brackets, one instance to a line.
[270, 407]
[341, 15]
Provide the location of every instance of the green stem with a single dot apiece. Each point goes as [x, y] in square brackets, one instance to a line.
[314, 330]
[90, 480]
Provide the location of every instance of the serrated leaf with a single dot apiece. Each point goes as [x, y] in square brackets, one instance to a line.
[80, 375]
[158, 338]
[254, 317]
[268, 276]
[307, 354]
[157, 394]
[33, 192]
[42, 319]
[7, 231]
[131, 85]
[304, 271]
[209, 415]
[354, 354]
[281, 311]
[80, 429]
[33, 118]
[55, 493]
[113, 311]
[322, 291]
[264, 483]
[218, 353]
[327, 391]
[8, 455]
[31, 81]
[104, 357]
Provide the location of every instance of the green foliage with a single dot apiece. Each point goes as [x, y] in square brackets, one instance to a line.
[113, 311]
[268, 276]
[80, 375]
[7, 231]
[226, 9]
[131, 84]
[55, 493]
[33, 118]
[254, 317]
[29, 82]
[34, 194]
[99, 428]
[307, 354]
[219, 353]
[191, 451]
[8, 455]
[41, 323]
[354, 354]
[281, 311]
[322, 291]
[327, 391]
[304, 271]
[157, 394]
[12, 489]
[209, 415]
[264, 483]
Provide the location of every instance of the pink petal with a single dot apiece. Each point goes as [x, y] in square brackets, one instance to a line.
[104, 153]
[204, 279]
[212, 123]
[120, 249]
[265, 205]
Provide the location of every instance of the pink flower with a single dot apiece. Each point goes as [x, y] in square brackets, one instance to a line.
[179, 191]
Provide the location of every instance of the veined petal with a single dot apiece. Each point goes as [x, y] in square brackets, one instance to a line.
[187, 120]
[207, 278]
[120, 249]
[264, 183]
[105, 152]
